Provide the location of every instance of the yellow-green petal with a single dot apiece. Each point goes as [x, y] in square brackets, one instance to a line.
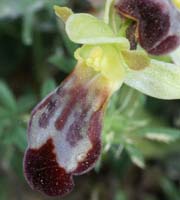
[136, 60]
[160, 80]
[87, 29]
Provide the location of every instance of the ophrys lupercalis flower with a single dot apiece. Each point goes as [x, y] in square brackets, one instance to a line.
[64, 134]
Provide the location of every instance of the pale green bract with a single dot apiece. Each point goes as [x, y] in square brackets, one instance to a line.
[108, 11]
[157, 79]
[111, 17]
[160, 80]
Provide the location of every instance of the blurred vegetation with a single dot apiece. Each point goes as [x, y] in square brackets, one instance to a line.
[141, 135]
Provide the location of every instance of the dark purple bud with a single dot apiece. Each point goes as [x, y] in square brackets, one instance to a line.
[64, 133]
[158, 23]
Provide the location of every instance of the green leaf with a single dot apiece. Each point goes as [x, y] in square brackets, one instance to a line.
[165, 135]
[20, 139]
[48, 86]
[160, 80]
[4, 123]
[4, 113]
[135, 155]
[27, 28]
[4, 195]
[10, 9]
[51, 3]
[14, 133]
[6, 97]
[16, 8]
[26, 102]
[121, 195]
[170, 189]
[70, 46]
[62, 62]
[87, 29]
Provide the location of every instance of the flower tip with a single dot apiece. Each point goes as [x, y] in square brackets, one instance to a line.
[56, 8]
[62, 12]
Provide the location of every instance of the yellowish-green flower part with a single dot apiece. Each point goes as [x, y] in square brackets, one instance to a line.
[160, 80]
[136, 60]
[92, 31]
[176, 3]
[111, 61]
[63, 12]
[104, 59]
[108, 6]
[107, 51]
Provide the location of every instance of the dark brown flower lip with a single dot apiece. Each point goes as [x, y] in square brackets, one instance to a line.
[44, 174]
[64, 133]
[157, 22]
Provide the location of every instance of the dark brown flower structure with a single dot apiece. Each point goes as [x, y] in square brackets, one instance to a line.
[64, 133]
[158, 23]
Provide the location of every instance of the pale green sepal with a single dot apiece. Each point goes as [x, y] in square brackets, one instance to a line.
[63, 12]
[111, 17]
[107, 11]
[136, 60]
[87, 29]
[160, 80]
[175, 55]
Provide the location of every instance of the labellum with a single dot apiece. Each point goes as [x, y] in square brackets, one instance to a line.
[64, 132]
[158, 24]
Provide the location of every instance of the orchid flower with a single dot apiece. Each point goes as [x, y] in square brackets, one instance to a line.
[64, 133]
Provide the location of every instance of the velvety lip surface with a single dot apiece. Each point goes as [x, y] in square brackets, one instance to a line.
[64, 134]
[158, 23]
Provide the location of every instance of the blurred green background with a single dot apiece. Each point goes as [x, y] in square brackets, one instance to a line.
[141, 135]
